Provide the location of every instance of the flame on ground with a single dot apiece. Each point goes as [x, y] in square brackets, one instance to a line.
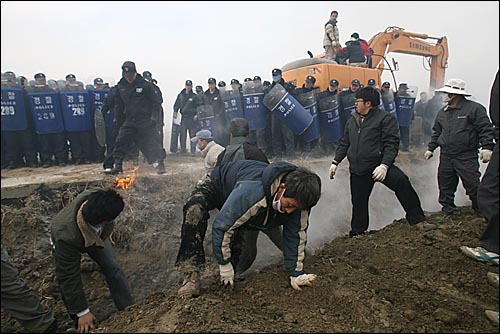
[126, 182]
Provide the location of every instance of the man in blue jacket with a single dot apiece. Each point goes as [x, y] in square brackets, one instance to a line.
[257, 196]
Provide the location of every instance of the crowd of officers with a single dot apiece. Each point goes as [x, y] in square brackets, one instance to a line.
[274, 136]
[51, 123]
[34, 144]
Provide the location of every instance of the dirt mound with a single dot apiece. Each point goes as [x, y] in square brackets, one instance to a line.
[401, 278]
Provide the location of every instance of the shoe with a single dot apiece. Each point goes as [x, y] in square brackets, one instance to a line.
[493, 279]
[117, 169]
[161, 167]
[355, 234]
[480, 254]
[46, 165]
[190, 286]
[492, 316]
[107, 170]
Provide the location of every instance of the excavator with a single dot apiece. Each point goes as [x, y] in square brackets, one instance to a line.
[393, 39]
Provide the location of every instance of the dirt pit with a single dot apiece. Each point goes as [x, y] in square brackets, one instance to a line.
[401, 278]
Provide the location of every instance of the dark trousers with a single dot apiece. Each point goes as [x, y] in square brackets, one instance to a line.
[143, 137]
[465, 167]
[19, 144]
[53, 144]
[397, 181]
[115, 277]
[80, 143]
[21, 302]
[283, 138]
[244, 248]
[188, 125]
[487, 198]
[404, 132]
[195, 215]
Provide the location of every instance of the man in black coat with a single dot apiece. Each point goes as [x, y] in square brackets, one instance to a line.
[137, 100]
[370, 142]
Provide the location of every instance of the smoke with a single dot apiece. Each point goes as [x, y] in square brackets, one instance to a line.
[331, 217]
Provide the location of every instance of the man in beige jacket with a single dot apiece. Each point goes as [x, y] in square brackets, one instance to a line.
[331, 41]
[208, 147]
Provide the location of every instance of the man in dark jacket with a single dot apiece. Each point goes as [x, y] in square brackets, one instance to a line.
[460, 128]
[186, 103]
[196, 211]
[370, 142]
[257, 196]
[84, 226]
[137, 101]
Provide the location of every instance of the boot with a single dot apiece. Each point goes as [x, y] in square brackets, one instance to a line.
[161, 167]
[190, 285]
[118, 168]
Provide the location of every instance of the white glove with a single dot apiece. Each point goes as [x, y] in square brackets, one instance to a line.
[428, 154]
[226, 274]
[485, 155]
[333, 168]
[304, 279]
[379, 173]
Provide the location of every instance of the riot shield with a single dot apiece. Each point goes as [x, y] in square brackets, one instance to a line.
[232, 103]
[288, 109]
[308, 101]
[46, 111]
[389, 104]
[13, 110]
[253, 107]
[405, 105]
[97, 98]
[100, 127]
[76, 112]
[174, 134]
[329, 118]
[205, 115]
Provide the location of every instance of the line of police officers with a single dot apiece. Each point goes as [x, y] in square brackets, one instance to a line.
[51, 123]
[330, 109]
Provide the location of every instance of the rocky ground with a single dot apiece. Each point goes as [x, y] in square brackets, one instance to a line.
[400, 278]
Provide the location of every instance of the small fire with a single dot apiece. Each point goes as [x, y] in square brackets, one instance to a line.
[126, 182]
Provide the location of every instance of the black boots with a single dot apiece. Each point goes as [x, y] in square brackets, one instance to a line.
[118, 168]
[161, 167]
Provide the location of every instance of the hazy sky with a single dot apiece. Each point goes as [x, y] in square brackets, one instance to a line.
[197, 40]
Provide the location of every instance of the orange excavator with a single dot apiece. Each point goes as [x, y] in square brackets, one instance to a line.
[393, 39]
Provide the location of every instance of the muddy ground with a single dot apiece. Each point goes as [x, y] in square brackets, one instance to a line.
[400, 278]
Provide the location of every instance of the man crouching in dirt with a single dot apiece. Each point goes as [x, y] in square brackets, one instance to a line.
[84, 226]
[274, 195]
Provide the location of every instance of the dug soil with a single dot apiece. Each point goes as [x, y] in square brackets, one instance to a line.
[399, 278]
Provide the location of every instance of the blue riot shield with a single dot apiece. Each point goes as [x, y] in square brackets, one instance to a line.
[46, 111]
[232, 103]
[308, 101]
[288, 109]
[13, 112]
[76, 111]
[348, 106]
[205, 115]
[405, 105]
[254, 109]
[329, 118]
[97, 98]
[389, 103]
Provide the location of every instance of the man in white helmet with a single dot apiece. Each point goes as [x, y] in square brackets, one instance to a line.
[460, 129]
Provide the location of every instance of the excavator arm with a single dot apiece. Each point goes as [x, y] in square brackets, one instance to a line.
[395, 39]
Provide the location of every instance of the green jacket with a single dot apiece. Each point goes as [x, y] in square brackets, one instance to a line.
[71, 237]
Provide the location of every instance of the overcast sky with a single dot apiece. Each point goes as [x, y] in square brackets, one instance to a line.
[197, 40]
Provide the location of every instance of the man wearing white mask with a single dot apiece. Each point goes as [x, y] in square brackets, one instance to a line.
[461, 127]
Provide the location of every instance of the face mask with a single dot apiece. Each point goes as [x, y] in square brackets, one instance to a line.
[277, 203]
[198, 148]
[276, 78]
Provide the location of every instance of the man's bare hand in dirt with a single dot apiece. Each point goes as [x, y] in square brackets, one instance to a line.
[86, 323]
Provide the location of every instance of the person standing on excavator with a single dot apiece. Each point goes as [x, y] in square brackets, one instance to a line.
[331, 39]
